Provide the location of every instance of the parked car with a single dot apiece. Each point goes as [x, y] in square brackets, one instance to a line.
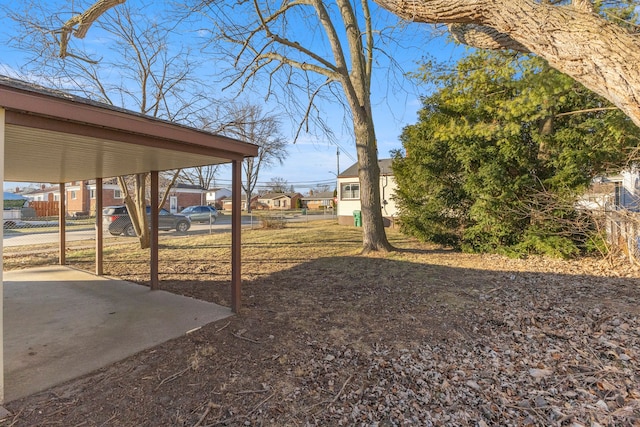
[200, 213]
[120, 223]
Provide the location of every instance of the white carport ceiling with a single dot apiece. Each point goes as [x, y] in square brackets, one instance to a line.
[36, 155]
[54, 137]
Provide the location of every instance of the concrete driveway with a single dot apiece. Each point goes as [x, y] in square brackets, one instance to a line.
[61, 323]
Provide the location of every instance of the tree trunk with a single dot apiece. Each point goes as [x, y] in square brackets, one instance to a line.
[137, 207]
[248, 193]
[600, 54]
[374, 237]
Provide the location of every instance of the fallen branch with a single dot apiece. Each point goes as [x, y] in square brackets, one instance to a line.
[252, 391]
[106, 423]
[174, 376]
[210, 406]
[218, 330]
[245, 338]
[335, 398]
[15, 418]
[342, 389]
[260, 404]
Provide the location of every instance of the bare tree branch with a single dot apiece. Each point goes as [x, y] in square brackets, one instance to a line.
[574, 40]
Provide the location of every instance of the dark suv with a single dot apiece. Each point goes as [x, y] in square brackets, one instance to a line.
[120, 222]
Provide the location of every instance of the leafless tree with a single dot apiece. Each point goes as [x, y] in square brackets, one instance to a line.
[151, 75]
[587, 46]
[203, 176]
[278, 185]
[253, 125]
[333, 54]
[307, 50]
[320, 188]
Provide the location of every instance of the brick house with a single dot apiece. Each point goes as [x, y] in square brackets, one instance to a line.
[81, 200]
[278, 201]
[315, 201]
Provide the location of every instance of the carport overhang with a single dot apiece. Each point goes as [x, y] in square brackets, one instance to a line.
[53, 137]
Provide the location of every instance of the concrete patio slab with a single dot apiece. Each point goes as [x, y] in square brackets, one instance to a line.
[61, 323]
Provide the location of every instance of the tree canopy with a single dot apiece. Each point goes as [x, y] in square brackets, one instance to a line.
[500, 150]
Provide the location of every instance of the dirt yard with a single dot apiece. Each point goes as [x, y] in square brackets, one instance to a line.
[422, 336]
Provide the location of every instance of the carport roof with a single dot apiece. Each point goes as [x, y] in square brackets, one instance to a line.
[51, 136]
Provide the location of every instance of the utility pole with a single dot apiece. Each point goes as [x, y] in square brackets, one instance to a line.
[338, 161]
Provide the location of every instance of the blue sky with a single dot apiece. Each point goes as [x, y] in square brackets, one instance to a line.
[312, 159]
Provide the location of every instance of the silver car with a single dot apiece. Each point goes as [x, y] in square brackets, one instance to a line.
[120, 223]
[201, 213]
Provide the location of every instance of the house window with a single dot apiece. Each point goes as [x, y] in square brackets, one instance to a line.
[617, 195]
[117, 194]
[350, 191]
[73, 195]
[276, 203]
[92, 194]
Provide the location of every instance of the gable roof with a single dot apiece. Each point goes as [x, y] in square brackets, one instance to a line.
[273, 196]
[352, 171]
[319, 196]
[185, 186]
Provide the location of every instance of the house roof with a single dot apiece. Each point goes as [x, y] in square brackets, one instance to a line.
[182, 185]
[278, 195]
[319, 196]
[55, 137]
[36, 191]
[352, 171]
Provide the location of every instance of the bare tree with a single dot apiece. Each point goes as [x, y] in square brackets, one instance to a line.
[151, 77]
[278, 185]
[575, 40]
[252, 125]
[346, 29]
[320, 188]
[203, 176]
[222, 117]
[309, 49]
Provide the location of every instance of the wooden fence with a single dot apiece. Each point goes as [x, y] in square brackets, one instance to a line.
[623, 232]
[45, 208]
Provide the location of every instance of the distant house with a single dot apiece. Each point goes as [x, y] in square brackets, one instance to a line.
[615, 192]
[183, 195]
[278, 201]
[227, 204]
[81, 196]
[349, 193]
[215, 196]
[42, 194]
[322, 200]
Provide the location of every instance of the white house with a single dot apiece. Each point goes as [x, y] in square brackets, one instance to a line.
[215, 196]
[614, 192]
[349, 193]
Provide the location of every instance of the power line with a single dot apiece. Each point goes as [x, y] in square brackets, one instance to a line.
[294, 183]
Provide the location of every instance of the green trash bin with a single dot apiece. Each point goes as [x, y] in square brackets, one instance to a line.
[357, 218]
